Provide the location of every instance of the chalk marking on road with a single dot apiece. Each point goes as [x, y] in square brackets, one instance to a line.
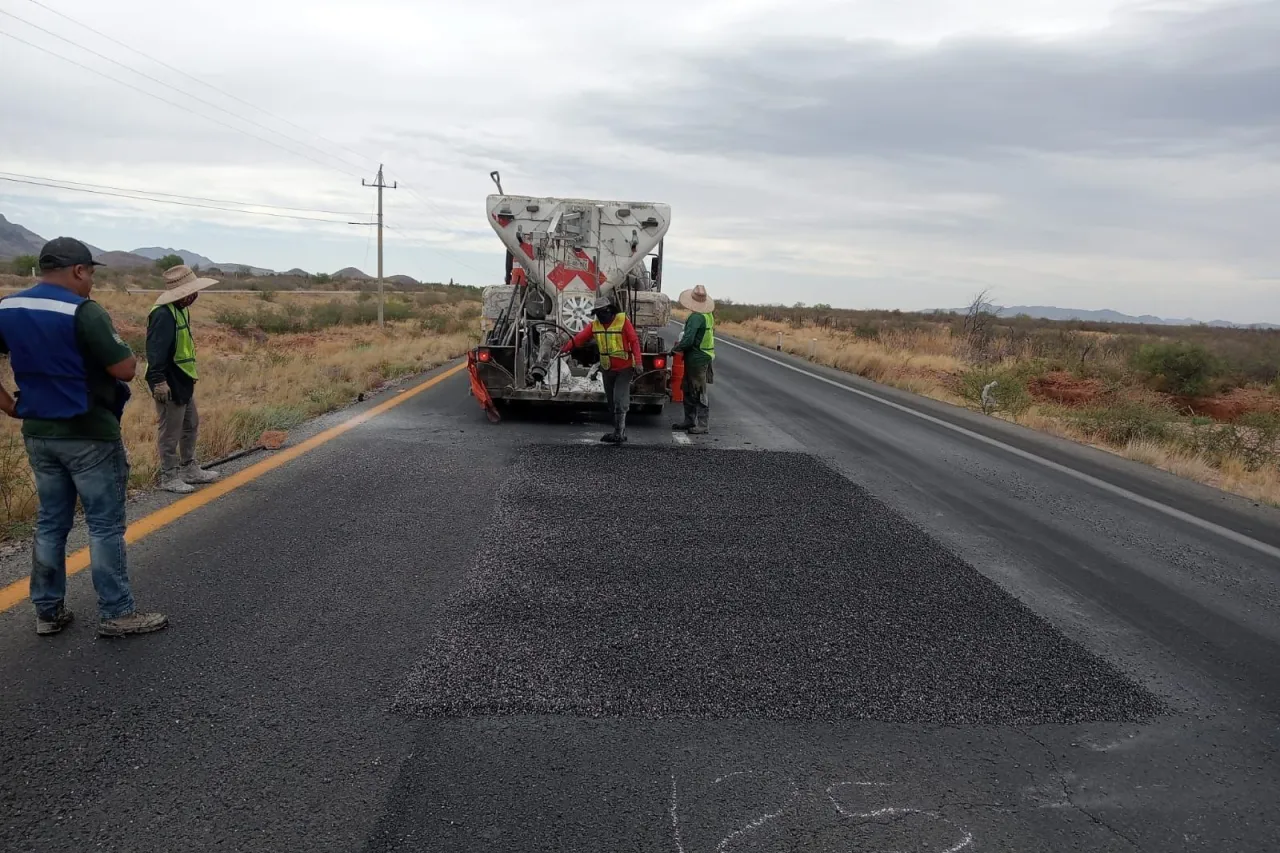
[898, 811]
[675, 816]
[1172, 512]
[19, 591]
[681, 438]
[759, 822]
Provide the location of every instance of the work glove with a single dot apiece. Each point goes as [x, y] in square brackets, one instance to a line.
[161, 393]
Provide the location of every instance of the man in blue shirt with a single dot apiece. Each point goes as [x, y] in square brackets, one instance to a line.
[72, 370]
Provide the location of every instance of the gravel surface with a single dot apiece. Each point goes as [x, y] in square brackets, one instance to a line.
[785, 592]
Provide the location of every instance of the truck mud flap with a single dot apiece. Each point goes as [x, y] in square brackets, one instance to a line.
[480, 391]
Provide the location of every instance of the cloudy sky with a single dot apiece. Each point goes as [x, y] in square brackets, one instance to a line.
[1079, 153]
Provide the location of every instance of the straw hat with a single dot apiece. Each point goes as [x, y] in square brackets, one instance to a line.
[697, 300]
[180, 282]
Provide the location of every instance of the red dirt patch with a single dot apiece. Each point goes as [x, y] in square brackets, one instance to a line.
[1230, 406]
[1065, 389]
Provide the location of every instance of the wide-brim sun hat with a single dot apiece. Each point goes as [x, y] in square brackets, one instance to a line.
[697, 300]
[180, 282]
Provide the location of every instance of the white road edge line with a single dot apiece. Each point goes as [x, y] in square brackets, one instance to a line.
[1226, 533]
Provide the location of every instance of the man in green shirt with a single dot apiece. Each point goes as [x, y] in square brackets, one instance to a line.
[698, 346]
[73, 372]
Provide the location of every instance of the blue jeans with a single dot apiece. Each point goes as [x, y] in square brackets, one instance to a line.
[97, 472]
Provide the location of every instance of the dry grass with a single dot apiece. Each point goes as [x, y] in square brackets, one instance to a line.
[251, 382]
[917, 361]
[930, 360]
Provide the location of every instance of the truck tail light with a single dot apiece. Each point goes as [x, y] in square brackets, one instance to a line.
[659, 362]
[483, 355]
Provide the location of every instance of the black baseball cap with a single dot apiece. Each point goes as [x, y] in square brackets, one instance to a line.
[62, 252]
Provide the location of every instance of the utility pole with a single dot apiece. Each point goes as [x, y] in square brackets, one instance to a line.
[381, 185]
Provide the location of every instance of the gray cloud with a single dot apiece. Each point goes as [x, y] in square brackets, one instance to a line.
[1178, 84]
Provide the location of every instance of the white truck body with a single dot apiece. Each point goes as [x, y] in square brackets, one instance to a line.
[562, 255]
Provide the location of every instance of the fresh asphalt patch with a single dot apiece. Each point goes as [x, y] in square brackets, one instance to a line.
[660, 582]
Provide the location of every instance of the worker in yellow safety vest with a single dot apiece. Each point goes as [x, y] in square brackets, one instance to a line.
[171, 375]
[698, 345]
[621, 360]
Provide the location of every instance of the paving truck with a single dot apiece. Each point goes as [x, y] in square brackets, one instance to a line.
[562, 254]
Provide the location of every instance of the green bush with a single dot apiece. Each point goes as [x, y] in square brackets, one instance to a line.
[23, 264]
[1009, 394]
[326, 314]
[1125, 421]
[275, 323]
[1252, 439]
[237, 321]
[1177, 367]
[168, 262]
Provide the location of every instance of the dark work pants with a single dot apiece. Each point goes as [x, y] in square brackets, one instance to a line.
[617, 389]
[694, 386]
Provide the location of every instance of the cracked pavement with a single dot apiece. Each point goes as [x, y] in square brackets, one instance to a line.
[415, 638]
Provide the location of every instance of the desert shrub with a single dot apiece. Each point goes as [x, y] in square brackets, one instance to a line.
[23, 264]
[326, 314]
[1253, 439]
[237, 321]
[17, 489]
[276, 323]
[1008, 394]
[1125, 421]
[1178, 367]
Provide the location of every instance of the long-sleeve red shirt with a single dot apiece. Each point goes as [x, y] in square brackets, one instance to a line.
[630, 340]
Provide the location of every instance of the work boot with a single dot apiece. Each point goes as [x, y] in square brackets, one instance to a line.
[173, 482]
[132, 623]
[684, 426]
[60, 620]
[700, 428]
[195, 475]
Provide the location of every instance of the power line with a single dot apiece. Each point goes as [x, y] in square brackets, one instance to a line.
[187, 197]
[167, 201]
[167, 101]
[445, 252]
[176, 70]
[439, 251]
[170, 86]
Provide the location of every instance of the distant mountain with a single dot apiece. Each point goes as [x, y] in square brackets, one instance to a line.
[192, 259]
[296, 271]
[1106, 315]
[16, 240]
[121, 260]
[351, 272]
[405, 280]
[189, 258]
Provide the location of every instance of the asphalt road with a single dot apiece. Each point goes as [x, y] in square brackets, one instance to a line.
[831, 625]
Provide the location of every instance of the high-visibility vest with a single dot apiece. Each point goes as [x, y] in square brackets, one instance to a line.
[708, 345]
[184, 346]
[39, 327]
[610, 341]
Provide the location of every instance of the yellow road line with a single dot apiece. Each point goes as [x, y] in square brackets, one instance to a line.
[19, 591]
